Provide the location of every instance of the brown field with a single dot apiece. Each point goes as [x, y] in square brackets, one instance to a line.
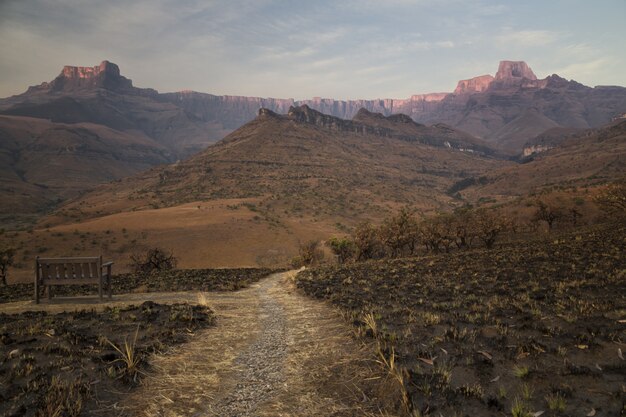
[209, 234]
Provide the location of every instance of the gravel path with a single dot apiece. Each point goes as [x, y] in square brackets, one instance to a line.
[274, 352]
[261, 365]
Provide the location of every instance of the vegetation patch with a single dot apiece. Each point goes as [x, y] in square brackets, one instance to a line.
[63, 364]
[531, 325]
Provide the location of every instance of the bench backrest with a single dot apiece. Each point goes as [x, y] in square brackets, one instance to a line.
[50, 269]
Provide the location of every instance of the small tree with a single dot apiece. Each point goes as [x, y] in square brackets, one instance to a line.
[489, 225]
[437, 232]
[613, 198]
[155, 259]
[366, 241]
[574, 215]
[342, 247]
[6, 260]
[547, 213]
[310, 253]
[400, 234]
[463, 224]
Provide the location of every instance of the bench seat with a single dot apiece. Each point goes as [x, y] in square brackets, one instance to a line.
[72, 271]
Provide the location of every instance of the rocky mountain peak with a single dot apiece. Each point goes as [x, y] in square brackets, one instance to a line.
[91, 72]
[474, 85]
[364, 114]
[265, 112]
[106, 75]
[508, 70]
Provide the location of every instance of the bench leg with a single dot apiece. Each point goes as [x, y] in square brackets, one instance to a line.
[100, 288]
[49, 292]
[36, 291]
[110, 285]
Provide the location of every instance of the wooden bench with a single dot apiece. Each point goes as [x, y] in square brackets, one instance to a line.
[71, 271]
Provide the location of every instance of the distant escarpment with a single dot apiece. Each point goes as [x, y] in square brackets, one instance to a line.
[397, 126]
[506, 110]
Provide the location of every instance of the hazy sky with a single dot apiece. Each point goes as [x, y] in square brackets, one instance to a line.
[300, 49]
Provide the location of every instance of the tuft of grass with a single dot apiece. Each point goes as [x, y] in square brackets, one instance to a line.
[397, 374]
[527, 392]
[520, 409]
[202, 300]
[521, 371]
[128, 356]
[370, 322]
[62, 399]
[556, 402]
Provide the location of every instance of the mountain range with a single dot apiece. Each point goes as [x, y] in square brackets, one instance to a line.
[282, 179]
[90, 125]
[506, 109]
[306, 162]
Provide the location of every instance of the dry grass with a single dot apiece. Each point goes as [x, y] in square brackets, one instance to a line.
[326, 371]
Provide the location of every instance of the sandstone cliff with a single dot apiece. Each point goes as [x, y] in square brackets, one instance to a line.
[507, 110]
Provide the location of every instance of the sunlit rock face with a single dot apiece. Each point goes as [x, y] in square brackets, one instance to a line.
[474, 85]
[106, 75]
[514, 69]
[515, 74]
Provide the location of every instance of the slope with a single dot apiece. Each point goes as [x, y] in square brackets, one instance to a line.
[305, 163]
[43, 162]
[586, 159]
[101, 95]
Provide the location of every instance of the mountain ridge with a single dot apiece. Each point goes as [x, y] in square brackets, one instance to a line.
[483, 106]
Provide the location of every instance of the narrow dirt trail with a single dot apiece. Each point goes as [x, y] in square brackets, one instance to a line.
[273, 353]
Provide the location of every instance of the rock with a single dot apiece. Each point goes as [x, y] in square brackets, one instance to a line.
[508, 70]
[14, 353]
[474, 85]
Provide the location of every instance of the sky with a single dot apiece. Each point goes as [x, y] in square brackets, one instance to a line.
[342, 49]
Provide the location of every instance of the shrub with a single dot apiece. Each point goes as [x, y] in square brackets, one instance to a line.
[344, 248]
[399, 234]
[310, 253]
[155, 259]
[613, 199]
[367, 242]
[7, 256]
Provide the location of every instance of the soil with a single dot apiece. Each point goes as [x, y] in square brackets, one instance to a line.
[528, 327]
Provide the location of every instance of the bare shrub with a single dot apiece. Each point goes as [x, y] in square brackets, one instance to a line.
[548, 213]
[310, 253]
[489, 225]
[400, 234]
[7, 256]
[343, 248]
[155, 259]
[612, 199]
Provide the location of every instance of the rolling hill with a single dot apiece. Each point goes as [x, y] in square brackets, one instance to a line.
[306, 163]
[574, 160]
[44, 163]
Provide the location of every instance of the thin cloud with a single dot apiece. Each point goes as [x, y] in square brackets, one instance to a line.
[528, 38]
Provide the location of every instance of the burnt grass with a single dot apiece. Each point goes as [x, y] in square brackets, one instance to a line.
[530, 326]
[162, 281]
[65, 364]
